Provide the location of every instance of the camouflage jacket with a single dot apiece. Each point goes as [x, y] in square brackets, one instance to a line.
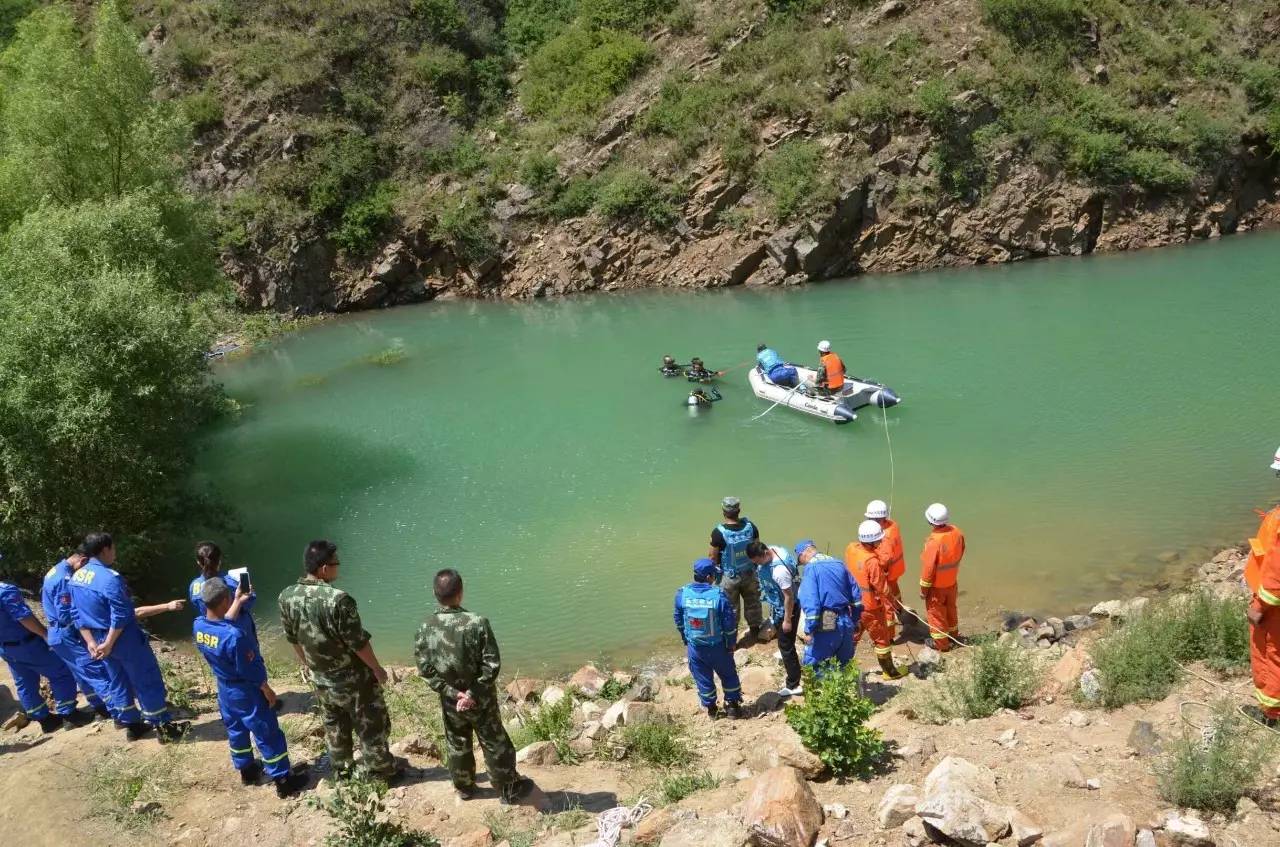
[456, 651]
[323, 621]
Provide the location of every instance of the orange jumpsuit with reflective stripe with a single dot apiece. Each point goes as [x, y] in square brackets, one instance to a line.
[939, 572]
[864, 564]
[1264, 637]
[890, 552]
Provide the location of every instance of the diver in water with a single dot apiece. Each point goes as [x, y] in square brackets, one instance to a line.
[700, 397]
[697, 372]
[670, 368]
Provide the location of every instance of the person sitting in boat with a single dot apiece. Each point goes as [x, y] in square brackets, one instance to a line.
[772, 366]
[704, 397]
[670, 368]
[697, 372]
[830, 371]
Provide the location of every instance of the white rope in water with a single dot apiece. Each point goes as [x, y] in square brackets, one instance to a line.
[610, 823]
[884, 412]
[780, 402]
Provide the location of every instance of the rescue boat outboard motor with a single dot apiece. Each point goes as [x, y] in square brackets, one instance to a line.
[885, 398]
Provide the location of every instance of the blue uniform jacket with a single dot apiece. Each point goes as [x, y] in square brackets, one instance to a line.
[728, 614]
[100, 600]
[197, 602]
[827, 584]
[768, 359]
[231, 651]
[55, 597]
[13, 610]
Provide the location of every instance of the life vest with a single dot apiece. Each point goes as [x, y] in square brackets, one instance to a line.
[770, 591]
[768, 359]
[858, 559]
[890, 551]
[734, 561]
[701, 616]
[943, 550]
[1259, 546]
[834, 368]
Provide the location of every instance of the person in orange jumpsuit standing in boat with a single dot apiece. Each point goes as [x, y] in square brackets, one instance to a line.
[939, 574]
[1262, 573]
[864, 560]
[891, 554]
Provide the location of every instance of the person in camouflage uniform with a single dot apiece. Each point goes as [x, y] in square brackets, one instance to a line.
[458, 657]
[322, 624]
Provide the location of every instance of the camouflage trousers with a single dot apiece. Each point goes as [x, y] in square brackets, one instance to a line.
[746, 586]
[484, 721]
[356, 708]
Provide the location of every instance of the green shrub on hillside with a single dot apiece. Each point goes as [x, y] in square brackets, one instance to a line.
[365, 219]
[623, 14]
[794, 178]
[464, 225]
[203, 109]
[1134, 665]
[1035, 22]
[657, 743]
[1212, 769]
[630, 194]
[978, 683]
[687, 111]
[12, 11]
[574, 199]
[552, 723]
[832, 721]
[574, 74]
[531, 23]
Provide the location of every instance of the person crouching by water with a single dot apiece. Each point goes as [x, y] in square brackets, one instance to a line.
[245, 700]
[772, 365]
[708, 626]
[457, 654]
[832, 606]
[697, 372]
[670, 368]
[779, 577]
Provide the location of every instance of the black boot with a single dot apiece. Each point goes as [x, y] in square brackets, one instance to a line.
[134, 731]
[168, 733]
[251, 773]
[516, 791]
[51, 723]
[733, 711]
[102, 712]
[79, 718]
[713, 712]
[287, 786]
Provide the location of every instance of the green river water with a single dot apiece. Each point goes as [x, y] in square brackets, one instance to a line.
[1085, 420]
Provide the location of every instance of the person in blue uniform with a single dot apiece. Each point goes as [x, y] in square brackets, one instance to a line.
[773, 366]
[25, 651]
[106, 695]
[209, 561]
[244, 698]
[708, 626]
[102, 608]
[832, 605]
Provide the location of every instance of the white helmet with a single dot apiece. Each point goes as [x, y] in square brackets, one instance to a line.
[869, 532]
[937, 515]
[877, 510]
[1275, 466]
[824, 346]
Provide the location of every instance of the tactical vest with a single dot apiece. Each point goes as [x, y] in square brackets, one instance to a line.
[770, 591]
[734, 561]
[701, 617]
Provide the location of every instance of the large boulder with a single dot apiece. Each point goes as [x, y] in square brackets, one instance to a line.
[784, 748]
[538, 753]
[718, 831]
[523, 690]
[1114, 830]
[781, 806]
[964, 818]
[552, 694]
[1186, 830]
[654, 826]
[897, 806]
[481, 837]
[614, 714]
[589, 680]
[954, 774]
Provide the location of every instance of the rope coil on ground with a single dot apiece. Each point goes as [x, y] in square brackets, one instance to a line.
[610, 823]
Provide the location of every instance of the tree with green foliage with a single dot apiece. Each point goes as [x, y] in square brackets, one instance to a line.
[832, 720]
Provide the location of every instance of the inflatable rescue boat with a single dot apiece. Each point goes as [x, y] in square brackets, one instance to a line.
[857, 393]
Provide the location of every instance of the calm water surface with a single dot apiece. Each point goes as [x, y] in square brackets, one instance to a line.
[1084, 419]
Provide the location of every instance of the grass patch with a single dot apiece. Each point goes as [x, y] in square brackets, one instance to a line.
[613, 689]
[832, 721]
[126, 775]
[632, 195]
[301, 731]
[570, 819]
[675, 787]
[365, 219]
[574, 74]
[464, 225]
[415, 710]
[510, 827]
[978, 683]
[360, 818]
[659, 743]
[187, 686]
[1139, 662]
[1213, 770]
[794, 179]
[1035, 22]
[552, 723]
[203, 110]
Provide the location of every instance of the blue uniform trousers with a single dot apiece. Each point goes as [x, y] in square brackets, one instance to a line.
[706, 663]
[245, 714]
[784, 375]
[96, 682]
[30, 659]
[826, 645]
[133, 666]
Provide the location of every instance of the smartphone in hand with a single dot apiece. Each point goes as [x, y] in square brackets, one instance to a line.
[242, 575]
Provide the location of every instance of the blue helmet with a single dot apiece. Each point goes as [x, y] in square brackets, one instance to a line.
[802, 545]
[704, 568]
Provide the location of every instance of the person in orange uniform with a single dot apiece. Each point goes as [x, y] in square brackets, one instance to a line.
[891, 554]
[863, 559]
[1263, 576]
[831, 371]
[939, 572]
